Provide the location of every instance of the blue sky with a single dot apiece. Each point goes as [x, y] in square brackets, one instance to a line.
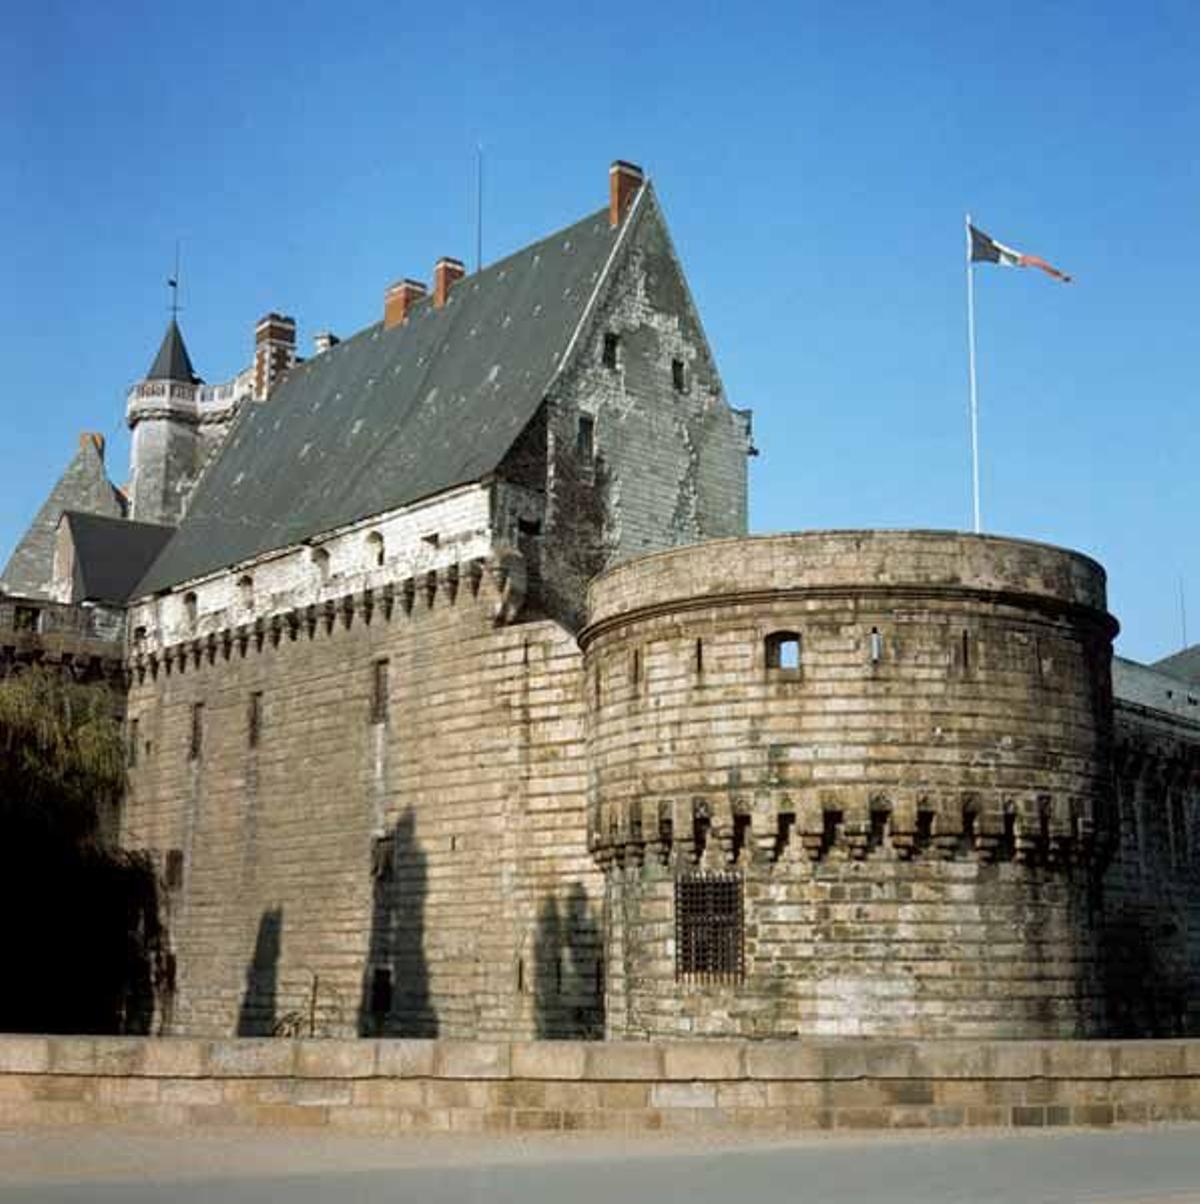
[815, 162]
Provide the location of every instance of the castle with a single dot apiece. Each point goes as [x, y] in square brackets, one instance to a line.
[460, 702]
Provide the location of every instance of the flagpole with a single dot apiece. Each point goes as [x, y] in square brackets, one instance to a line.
[974, 398]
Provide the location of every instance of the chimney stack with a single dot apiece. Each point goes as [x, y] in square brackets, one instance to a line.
[92, 439]
[624, 180]
[274, 351]
[323, 340]
[446, 273]
[399, 300]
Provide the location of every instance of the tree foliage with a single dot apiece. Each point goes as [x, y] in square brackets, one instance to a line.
[85, 948]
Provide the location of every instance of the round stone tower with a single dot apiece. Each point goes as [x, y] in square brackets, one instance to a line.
[850, 782]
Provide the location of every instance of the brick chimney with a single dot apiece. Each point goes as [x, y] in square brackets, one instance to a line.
[323, 340]
[92, 439]
[274, 351]
[399, 299]
[446, 274]
[624, 180]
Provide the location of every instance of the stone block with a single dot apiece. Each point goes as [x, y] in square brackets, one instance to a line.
[683, 1095]
[745, 1096]
[1079, 1060]
[472, 1060]
[1093, 1114]
[537, 1120]
[624, 1060]
[549, 1059]
[72, 1055]
[1015, 1059]
[335, 1059]
[405, 1058]
[24, 1055]
[117, 1055]
[174, 1057]
[1150, 1059]
[987, 1117]
[252, 1057]
[623, 1096]
[191, 1091]
[862, 1118]
[784, 1060]
[389, 1093]
[707, 1060]
[331, 1093]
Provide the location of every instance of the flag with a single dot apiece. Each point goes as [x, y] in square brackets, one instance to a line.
[985, 249]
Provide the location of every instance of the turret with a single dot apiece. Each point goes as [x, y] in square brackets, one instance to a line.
[163, 413]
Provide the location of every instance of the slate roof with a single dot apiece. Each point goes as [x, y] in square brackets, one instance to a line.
[112, 555]
[390, 416]
[172, 361]
[84, 485]
[1184, 665]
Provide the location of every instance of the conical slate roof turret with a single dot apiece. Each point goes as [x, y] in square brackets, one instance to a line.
[172, 361]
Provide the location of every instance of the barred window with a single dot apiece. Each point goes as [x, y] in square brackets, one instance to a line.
[709, 945]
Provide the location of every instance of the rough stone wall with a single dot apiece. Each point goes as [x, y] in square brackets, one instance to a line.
[445, 845]
[163, 458]
[911, 808]
[669, 463]
[1151, 915]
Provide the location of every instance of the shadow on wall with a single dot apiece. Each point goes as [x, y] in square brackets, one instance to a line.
[568, 949]
[256, 1018]
[1148, 978]
[395, 994]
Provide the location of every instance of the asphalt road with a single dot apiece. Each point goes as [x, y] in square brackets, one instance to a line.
[1151, 1166]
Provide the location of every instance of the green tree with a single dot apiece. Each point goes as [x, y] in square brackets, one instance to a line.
[85, 952]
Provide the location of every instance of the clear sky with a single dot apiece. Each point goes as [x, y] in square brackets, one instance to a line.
[815, 163]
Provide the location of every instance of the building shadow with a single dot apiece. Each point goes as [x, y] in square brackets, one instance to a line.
[568, 969]
[257, 1015]
[395, 998]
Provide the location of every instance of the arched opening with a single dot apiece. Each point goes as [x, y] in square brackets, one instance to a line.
[191, 608]
[320, 561]
[375, 549]
[245, 588]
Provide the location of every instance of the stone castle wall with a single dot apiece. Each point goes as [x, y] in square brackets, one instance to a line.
[910, 810]
[420, 872]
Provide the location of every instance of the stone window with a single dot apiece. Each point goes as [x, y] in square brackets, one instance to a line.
[876, 646]
[678, 376]
[379, 691]
[254, 719]
[173, 871]
[25, 618]
[245, 588]
[375, 549]
[196, 741]
[783, 650]
[709, 936]
[131, 749]
[609, 357]
[585, 438]
[191, 608]
[320, 560]
[699, 656]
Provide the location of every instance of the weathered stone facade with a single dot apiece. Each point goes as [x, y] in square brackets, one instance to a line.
[910, 807]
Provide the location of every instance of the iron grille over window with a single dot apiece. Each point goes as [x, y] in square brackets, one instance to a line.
[708, 928]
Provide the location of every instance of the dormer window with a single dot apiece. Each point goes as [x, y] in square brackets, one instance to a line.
[320, 560]
[245, 587]
[608, 356]
[190, 609]
[375, 549]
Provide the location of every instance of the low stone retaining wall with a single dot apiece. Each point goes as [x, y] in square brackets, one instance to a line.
[427, 1086]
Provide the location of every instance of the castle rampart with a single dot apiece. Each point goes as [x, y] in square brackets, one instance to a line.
[851, 783]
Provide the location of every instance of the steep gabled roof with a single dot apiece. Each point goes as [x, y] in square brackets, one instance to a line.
[111, 555]
[393, 415]
[1184, 665]
[83, 486]
[172, 361]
